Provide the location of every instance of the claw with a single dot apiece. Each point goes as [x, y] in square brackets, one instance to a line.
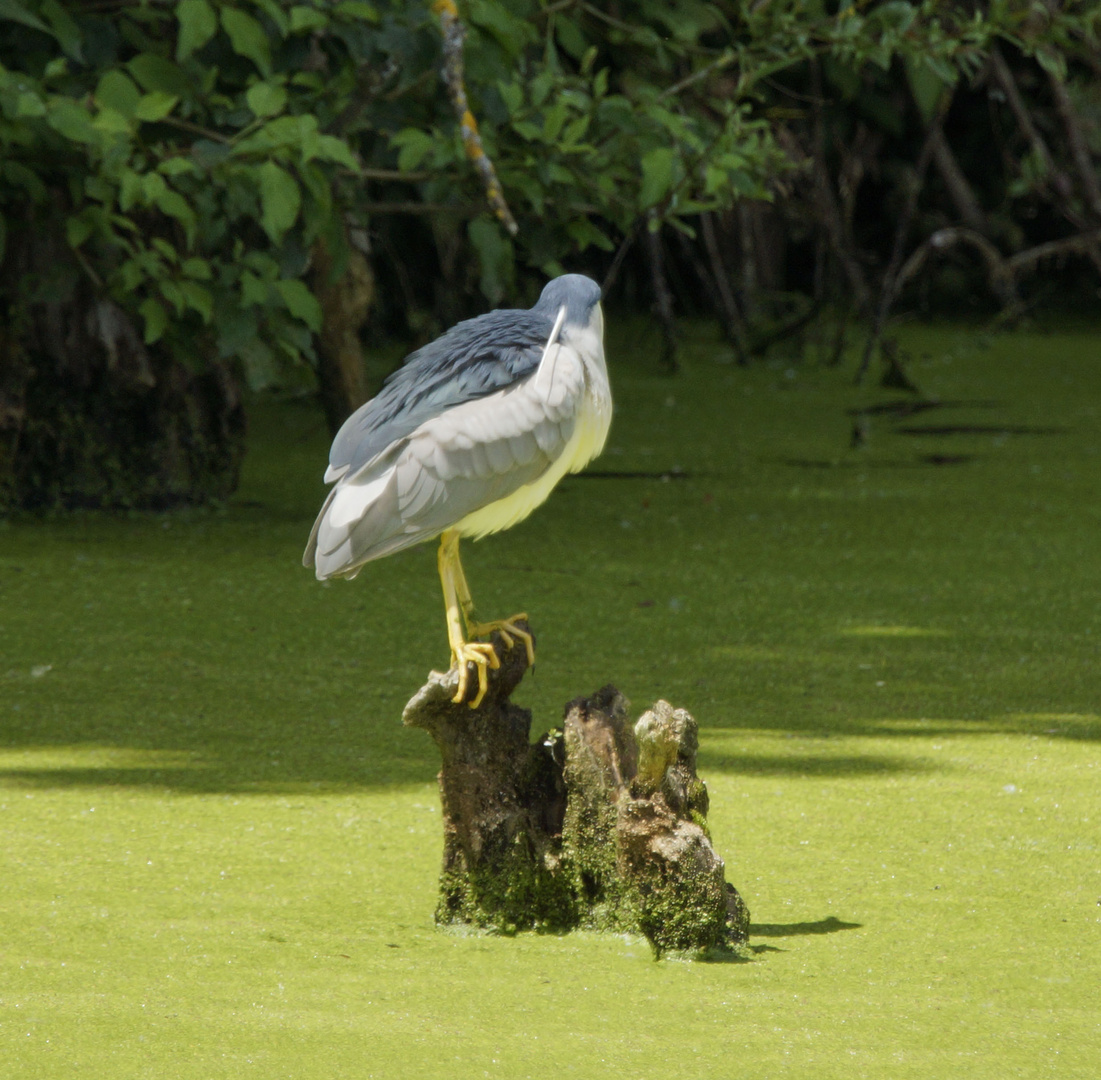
[483, 656]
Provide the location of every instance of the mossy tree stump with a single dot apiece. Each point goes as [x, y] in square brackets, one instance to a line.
[599, 824]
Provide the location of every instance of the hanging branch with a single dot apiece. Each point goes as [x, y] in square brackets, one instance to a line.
[728, 307]
[829, 213]
[1008, 85]
[663, 298]
[889, 289]
[1076, 143]
[453, 35]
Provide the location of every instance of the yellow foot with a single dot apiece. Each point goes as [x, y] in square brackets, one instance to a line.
[484, 657]
[508, 630]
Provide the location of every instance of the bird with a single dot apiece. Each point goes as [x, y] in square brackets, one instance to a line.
[466, 438]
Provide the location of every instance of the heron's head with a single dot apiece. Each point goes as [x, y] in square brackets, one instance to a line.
[579, 294]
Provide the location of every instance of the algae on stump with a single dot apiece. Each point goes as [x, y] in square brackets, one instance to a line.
[600, 825]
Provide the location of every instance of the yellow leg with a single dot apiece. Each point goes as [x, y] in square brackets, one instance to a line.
[463, 652]
[506, 627]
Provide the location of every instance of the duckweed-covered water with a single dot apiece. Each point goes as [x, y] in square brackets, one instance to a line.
[219, 846]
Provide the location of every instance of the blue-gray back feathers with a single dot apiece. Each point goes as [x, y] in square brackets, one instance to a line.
[471, 360]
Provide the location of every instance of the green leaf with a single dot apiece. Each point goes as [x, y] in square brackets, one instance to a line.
[357, 9]
[70, 120]
[658, 167]
[512, 94]
[198, 298]
[196, 267]
[253, 289]
[300, 302]
[266, 99]
[78, 228]
[1053, 62]
[156, 319]
[304, 17]
[117, 91]
[112, 122]
[158, 73]
[248, 38]
[29, 104]
[273, 9]
[64, 29]
[331, 148]
[198, 24]
[130, 190]
[175, 206]
[280, 200]
[927, 85]
[155, 106]
[175, 166]
[414, 145]
[12, 11]
[165, 248]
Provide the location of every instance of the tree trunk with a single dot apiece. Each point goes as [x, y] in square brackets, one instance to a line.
[599, 824]
[346, 297]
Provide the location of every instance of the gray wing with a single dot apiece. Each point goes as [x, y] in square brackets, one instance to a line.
[472, 360]
[453, 465]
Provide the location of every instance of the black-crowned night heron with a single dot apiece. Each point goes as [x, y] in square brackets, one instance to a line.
[468, 437]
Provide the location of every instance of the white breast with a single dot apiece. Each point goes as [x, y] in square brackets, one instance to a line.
[593, 419]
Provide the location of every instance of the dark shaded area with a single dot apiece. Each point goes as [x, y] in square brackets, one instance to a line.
[90, 416]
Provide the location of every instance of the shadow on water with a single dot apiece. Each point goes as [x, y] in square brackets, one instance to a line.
[829, 925]
[807, 764]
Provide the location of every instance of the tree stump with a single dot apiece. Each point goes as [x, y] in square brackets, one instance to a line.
[597, 825]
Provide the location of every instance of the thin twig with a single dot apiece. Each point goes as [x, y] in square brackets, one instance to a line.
[613, 270]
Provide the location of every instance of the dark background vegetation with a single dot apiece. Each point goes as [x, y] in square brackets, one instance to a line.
[203, 197]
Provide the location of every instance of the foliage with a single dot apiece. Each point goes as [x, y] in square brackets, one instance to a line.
[183, 148]
[197, 150]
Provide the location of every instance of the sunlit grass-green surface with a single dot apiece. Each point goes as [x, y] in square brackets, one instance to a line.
[219, 846]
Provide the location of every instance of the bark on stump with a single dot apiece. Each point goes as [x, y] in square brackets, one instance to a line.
[598, 824]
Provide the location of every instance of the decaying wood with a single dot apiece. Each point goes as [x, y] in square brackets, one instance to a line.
[598, 824]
